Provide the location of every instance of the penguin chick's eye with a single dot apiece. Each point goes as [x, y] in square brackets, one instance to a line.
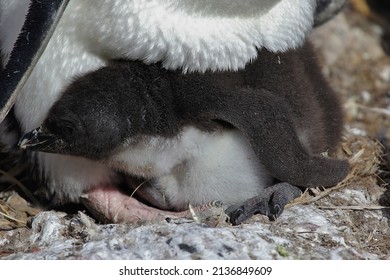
[62, 128]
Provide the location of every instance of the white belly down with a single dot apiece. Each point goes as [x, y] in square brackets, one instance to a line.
[197, 167]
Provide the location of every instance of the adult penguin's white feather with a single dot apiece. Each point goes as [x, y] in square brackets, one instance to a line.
[197, 35]
[192, 35]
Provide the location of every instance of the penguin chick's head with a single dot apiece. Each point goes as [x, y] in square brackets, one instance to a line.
[65, 132]
[92, 117]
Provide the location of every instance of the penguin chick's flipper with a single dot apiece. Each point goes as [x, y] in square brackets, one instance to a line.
[264, 118]
[270, 203]
[40, 23]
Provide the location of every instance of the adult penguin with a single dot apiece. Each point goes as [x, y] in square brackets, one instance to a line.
[193, 36]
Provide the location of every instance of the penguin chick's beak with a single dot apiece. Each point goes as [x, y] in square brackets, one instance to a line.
[38, 140]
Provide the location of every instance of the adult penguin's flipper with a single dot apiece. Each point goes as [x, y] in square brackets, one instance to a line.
[40, 23]
[327, 9]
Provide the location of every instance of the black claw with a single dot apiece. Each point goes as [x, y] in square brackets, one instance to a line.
[276, 211]
[270, 203]
[237, 216]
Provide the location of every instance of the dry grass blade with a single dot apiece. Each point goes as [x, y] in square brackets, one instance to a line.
[136, 189]
[355, 207]
[131, 196]
[364, 159]
[304, 200]
[21, 186]
[380, 111]
[13, 174]
[7, 215]
[12, 218]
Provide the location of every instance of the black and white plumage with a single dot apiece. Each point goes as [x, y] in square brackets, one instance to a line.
[207, 35]
[200, 137]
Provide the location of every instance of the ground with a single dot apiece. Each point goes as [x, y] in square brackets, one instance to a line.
[348, 221]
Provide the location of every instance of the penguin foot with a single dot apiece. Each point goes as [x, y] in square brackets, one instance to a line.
[109, 204]
[270, 203]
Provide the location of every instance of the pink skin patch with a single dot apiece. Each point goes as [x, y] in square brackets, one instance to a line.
[110, 205]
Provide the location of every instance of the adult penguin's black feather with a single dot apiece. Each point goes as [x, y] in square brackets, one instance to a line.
[39, 25]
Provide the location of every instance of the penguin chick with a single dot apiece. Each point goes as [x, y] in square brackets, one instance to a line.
[202, 137]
